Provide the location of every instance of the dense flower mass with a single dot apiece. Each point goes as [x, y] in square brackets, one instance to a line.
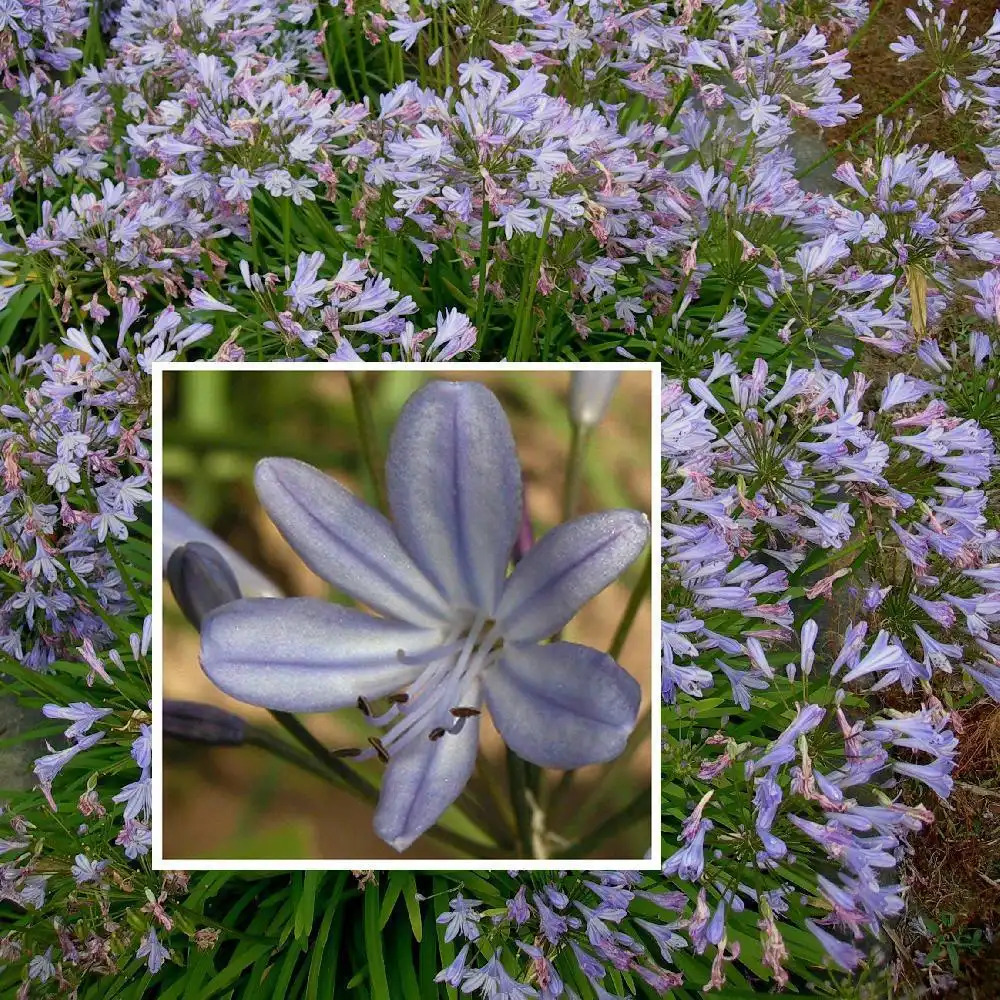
[263, 180]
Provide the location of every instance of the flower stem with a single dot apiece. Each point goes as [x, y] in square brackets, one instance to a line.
[635, 600]
[522, 328]
[574, 470]
[484, 255]
[632, 813]
[517, 777]
[361, 398]
[320, 762]
[347, 774]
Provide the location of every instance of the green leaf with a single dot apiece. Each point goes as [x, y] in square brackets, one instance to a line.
[373, 945]
[305, 908]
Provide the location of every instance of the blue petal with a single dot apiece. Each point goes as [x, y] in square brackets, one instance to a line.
[346, 542]
[425, 778]
[455, 489]
[565, 569]
[297, 654]
[561, 705]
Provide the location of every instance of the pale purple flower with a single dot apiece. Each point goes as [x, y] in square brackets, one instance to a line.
[47, 767]
[455, 630]
[85, 870]
[463, 919]
[81, 716]
[154, 952]
[845, 955]
[238, 184]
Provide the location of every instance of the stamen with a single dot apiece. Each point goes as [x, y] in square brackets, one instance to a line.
[365, 708]
[376, 744]
[399, 699]
[435, 734]
[392, 712]
[464, 713]
[437, 653]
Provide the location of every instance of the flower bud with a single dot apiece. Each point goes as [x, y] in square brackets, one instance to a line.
[201, 580]
[197, 723]
[589, 396]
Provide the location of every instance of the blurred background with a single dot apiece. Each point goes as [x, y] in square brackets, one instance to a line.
[241, 802]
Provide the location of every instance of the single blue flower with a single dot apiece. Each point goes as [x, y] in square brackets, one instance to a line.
[453, 629]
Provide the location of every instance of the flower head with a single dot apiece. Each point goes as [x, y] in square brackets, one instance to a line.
[453, 631]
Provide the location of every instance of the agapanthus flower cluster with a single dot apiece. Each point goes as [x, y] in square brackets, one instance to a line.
[561, 930]
[819, 801]
[75, 476]
[256, 179]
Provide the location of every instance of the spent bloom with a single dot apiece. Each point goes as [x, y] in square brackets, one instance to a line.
[453, 630]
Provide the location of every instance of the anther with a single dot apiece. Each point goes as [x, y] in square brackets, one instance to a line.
[376, 744]
[435, 734]
[365, 708]
[346, 752]
[464, 713]
[399, 699]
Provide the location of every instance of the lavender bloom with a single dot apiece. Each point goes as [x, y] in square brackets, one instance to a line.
[79, 713]
[154, 952]
[46, 768]
[689, 861]
[463, 919]
[85, 870]
[845, 955]
[456, 631]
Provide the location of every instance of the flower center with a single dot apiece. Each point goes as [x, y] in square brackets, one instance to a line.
[445, 694]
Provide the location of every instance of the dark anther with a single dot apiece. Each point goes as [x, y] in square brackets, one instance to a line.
[365, 708]
[399, 699]
[465, 713]
[346, 752]
[435, 734]
[383, 754]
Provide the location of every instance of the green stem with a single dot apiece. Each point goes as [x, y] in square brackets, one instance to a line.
[329, 760]
[635, 600]
[857, 133]
[574, 470]
[366, 432]
[484, 254]
[632, 813]
[308, 762]
[517, 778]
[863, 30]
[286, 228]
[528, 289]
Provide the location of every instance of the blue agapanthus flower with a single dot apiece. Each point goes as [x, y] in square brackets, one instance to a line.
[453, 629]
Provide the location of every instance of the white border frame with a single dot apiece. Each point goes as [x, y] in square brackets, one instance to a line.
[159, 863]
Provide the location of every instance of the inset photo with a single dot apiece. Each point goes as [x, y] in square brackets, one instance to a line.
[406, 617]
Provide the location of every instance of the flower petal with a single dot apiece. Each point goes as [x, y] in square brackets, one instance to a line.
[298, 654]
[565, 569]
[454, 486]
[346, 542]
[425, 778]
[179, 528]
[562, 705]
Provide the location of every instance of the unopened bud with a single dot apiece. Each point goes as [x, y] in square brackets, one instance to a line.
[198, 723]
[201, 580]
[589, 396]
